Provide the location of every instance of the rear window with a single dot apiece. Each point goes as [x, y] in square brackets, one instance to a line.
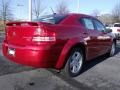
[53, 19]
[117, 25]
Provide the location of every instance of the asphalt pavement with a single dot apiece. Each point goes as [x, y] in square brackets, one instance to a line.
[102, 73]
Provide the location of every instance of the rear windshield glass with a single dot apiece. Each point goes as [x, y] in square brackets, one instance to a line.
[53, 19]
[117, 25]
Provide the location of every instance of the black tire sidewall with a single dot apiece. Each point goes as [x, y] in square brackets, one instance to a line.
[111, 49]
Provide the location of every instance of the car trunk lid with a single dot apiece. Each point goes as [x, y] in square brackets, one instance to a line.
[27, 33]
[20, 33]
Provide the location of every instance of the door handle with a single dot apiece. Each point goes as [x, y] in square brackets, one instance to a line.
[85, 33]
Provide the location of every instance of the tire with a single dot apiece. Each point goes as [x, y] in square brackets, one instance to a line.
[112, 50]
[74, 63]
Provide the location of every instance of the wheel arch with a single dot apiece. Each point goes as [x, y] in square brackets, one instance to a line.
[66, 52]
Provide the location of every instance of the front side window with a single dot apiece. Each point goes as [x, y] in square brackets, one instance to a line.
[88, 23]
[99, 26]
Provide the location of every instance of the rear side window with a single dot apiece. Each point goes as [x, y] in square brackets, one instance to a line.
[87, 23]
[53, 19]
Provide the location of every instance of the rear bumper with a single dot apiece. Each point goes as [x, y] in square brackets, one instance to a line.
[117, 35]
[36, 56]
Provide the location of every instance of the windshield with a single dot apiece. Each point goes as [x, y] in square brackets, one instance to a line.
[53, 19]
[117, 25]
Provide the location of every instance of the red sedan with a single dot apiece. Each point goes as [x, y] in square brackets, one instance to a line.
[58, 41]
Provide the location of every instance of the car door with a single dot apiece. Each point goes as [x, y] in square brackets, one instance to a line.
[104, 39]
[92, 45]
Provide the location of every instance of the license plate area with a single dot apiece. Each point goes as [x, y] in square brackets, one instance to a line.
[11, 51]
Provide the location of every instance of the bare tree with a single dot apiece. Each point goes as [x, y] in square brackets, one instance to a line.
[95, 13]
[116, 13]
[37, 8]
[106, 18]
[5, 11]
[62, 8]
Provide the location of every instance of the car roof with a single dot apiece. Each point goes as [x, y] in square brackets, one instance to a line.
[75, 14]
[80, 14]
[116, 23]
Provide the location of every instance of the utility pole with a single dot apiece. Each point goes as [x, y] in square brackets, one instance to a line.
[30, 10]
[78, 6]
[20, 5]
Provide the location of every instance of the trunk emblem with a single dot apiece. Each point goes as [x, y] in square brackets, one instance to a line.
[14, 34]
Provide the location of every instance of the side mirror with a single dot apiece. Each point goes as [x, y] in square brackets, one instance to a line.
[108, 30]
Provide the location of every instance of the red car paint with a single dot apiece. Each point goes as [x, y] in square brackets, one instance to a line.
[46, 45]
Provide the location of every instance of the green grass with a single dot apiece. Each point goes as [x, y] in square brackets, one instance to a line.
[2, 31]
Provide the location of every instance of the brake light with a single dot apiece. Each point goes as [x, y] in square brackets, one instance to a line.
[41, 35]
[118, 30]
[39, 32]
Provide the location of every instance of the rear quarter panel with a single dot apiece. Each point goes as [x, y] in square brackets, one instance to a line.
[66, 38]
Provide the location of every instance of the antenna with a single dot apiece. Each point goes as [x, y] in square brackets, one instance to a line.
[52, 10]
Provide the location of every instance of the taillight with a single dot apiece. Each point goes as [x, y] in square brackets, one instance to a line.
[118, 30]
[41, 35]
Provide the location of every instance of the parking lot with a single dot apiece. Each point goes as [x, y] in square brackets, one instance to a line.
[102, 73]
